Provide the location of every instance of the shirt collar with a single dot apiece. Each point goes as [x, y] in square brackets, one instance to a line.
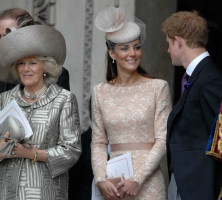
[195, 62]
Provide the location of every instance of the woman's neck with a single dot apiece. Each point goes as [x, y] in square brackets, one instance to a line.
[34, 89]
[36, 93]
[128, 79]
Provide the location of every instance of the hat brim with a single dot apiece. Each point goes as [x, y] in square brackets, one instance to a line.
[35, 40]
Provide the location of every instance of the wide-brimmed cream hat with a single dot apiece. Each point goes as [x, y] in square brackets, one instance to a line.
[34, 40]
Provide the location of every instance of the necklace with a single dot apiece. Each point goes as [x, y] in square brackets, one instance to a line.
[36, 95]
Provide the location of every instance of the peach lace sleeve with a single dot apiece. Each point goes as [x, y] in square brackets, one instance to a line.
[163, 108]
[99, 142]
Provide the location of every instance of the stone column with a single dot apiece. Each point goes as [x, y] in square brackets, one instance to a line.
[156, 60]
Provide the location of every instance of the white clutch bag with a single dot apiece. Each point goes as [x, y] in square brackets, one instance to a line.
[16, 134]
[14, 127]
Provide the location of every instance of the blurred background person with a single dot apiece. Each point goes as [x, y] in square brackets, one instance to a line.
[17, 18]
[81, 175]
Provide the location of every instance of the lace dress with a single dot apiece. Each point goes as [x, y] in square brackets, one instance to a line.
[132, 114]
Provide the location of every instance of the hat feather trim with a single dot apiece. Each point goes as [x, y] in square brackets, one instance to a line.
[110, 19]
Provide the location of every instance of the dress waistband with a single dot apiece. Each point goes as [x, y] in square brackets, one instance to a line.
[131, 146]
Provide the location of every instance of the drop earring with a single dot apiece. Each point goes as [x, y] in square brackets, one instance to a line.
[113, 61]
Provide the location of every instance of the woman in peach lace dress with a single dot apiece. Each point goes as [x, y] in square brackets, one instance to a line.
[130, 111]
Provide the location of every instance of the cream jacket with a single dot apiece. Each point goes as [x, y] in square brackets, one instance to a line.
[54, 119]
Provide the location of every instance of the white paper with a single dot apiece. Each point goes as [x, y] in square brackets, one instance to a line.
[118, 166]
[12, 109]
[95, 192]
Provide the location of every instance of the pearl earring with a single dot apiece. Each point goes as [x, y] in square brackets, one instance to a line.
[113, 61]
[44, 74]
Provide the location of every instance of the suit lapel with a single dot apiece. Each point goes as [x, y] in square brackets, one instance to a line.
[179, 105]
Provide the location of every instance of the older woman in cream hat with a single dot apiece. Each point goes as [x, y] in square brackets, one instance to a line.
[130, 111]
[33, 56]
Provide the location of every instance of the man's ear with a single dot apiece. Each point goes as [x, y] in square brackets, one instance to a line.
[111, 54]
[179, 41]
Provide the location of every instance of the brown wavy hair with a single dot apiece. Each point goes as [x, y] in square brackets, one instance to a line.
[188, 25]
[111, 68]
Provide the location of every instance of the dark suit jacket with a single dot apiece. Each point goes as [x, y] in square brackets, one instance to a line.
[198, 176]
[5, 86]
[81, 174]
[63, 81]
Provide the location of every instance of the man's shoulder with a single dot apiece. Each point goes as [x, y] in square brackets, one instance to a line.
[209, 69]
[210, 76]
[64, 70]
[6, 86]
[2, 87]
[63, 79]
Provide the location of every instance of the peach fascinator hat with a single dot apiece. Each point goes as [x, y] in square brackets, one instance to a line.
[119, 27]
